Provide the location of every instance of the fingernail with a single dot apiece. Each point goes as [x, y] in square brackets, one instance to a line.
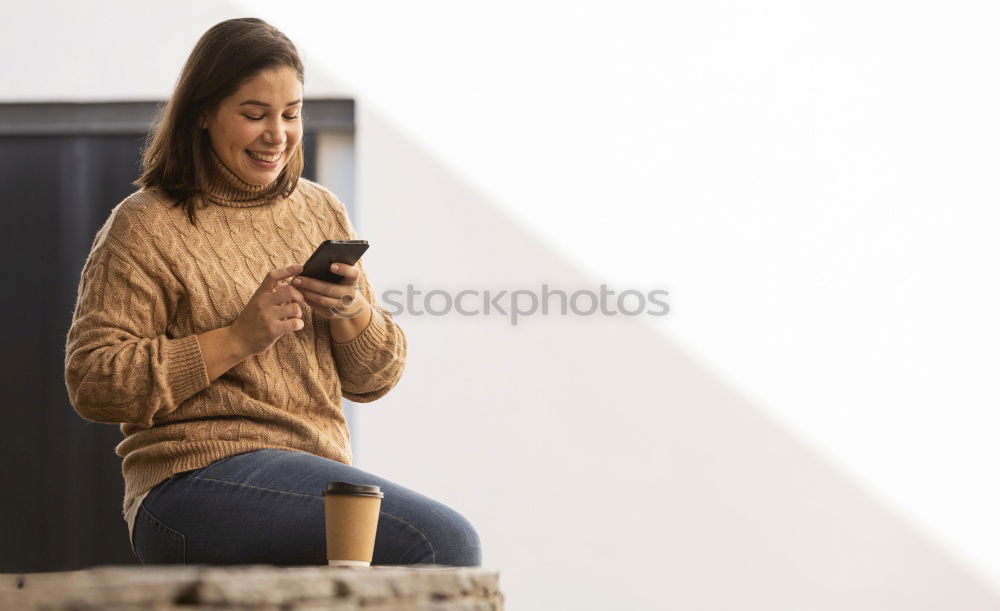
[297, 281]
[334, 267]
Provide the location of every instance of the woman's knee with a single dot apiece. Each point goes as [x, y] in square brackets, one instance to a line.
[425, 532]
[458, 542]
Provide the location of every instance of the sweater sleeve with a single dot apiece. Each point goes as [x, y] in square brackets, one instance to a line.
[120, 365]
[372, 363]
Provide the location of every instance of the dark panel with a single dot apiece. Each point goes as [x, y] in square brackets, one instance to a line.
[62, 482]
[127, 118]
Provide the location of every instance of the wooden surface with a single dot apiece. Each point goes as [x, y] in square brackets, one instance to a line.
[424, 588]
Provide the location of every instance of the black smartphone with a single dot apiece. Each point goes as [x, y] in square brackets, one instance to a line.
[330, 252]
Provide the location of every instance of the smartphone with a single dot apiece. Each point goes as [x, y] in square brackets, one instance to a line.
[330, 252]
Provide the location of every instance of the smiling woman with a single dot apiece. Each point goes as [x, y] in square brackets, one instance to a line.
[255, 138]
[226, 377]
[239, 101]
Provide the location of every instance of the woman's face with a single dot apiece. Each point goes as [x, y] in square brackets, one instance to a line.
[255, 130]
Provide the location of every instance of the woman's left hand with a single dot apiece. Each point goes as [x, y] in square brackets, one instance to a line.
[333, 301]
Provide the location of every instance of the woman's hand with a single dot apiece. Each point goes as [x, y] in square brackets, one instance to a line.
[274, 310]
[334, 301]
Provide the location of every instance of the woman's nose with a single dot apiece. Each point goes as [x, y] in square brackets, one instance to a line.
[275, 137]
[274, 134]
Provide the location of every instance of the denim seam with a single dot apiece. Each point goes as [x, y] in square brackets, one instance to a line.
[274, 459]
[429, 544]
[222, 481]
[160, 524]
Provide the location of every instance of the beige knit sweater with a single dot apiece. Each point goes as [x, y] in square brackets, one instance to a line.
[153, 281]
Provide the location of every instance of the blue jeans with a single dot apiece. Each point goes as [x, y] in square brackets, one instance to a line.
[266, 507]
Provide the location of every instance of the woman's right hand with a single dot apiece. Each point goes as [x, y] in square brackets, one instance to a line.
[274, 310]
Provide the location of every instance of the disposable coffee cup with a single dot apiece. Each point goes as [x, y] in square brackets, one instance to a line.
[351, 523]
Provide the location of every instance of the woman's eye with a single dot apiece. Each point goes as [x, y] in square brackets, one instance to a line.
[261, 117]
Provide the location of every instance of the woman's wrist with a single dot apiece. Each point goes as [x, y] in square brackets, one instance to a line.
[222, 350]
[345, 328]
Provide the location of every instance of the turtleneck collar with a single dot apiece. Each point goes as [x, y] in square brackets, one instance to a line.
[228, 189]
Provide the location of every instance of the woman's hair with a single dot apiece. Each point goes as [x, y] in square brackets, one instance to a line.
[177, 156]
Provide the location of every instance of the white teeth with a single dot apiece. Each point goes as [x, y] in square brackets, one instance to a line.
[260, 157]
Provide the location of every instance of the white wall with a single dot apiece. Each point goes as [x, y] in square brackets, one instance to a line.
[810, 426]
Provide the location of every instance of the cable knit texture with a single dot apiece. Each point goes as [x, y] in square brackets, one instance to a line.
[153, 281]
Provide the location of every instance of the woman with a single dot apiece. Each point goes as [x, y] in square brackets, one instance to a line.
[225, 368]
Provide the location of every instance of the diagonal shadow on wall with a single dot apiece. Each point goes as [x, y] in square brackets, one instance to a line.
[602, 465]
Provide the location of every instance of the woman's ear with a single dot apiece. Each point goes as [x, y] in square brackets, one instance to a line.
[203, 121]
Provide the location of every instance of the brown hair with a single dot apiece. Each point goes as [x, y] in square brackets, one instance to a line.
[176, 157]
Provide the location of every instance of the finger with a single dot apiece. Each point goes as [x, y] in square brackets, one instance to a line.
[312, 284]
[338, 293]
[270, 282]
[290, 310]
[320, 287]
[285, 294]
[291, 324]
[343, 303]
[315, 299]
[320, 302]
[349, 272]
